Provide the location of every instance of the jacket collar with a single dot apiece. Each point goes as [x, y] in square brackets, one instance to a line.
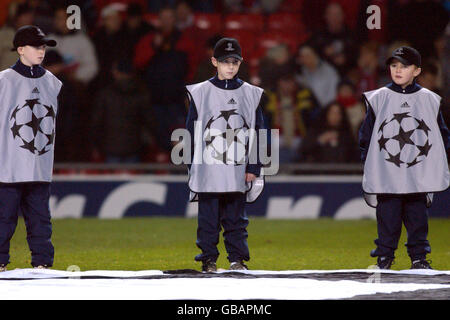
[35, 71]
[413, 87]
[226, 84]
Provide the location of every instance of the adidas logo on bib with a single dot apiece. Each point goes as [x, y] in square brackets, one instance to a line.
[405, 105]
[232, 101]
[35, 90]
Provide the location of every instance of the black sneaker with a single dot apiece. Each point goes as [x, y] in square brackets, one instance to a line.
[238, 265]
[385, 262]
[421, 264]
[209, 266]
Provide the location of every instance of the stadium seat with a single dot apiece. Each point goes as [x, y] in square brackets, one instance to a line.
[351, 9]
[210, 23]
[250, 22]
[285, 22]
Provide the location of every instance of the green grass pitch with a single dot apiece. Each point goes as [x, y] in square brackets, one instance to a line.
[169, 243]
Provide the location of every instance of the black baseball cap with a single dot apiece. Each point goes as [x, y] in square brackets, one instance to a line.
[406, 55]
[31, 36]
[227, 48]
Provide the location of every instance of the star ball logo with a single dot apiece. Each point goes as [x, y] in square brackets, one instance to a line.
[228, 140]
[404, 139]
[33, 126]
[226, 137]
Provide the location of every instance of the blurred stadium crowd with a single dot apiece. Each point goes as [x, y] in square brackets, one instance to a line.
[124, 72]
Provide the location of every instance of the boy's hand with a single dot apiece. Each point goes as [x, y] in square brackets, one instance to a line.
[249, 177]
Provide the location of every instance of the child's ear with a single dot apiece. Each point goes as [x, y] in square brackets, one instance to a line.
[214, 61]
[417, 72]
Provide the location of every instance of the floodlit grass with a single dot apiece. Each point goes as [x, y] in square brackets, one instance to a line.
[169, 243]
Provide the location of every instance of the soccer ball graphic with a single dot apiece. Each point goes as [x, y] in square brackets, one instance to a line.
[226, 138]
[404, 140]
[33, 126]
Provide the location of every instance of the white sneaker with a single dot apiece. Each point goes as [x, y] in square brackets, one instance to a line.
[3, 268]
[238, 265]
[41, 267]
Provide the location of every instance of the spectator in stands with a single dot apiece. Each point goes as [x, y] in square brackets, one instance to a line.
[163, 57]
[43, 14]
[67, 142]
[276, 63]
[185, 16]
[368, 72]
[441, 58]
[110, 41]
[330, 140]
[419, 22]
[354, 108]
[134, 28]
[205, 69]
[290, 109]
[185, 23]
[75, 47]
[121, 114]
[317, 74]
[429, 77]
[22, 15]
[335, 41]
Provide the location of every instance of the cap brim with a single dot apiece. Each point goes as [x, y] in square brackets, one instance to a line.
[389, 60]
[233, 55]
[46, 41]
[50, 42]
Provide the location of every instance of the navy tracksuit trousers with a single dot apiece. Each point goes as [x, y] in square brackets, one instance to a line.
[32, 199]
[217, 210]
[392, 210]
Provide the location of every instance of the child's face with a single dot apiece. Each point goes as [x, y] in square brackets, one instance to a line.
[345, 90]
[31, 55]
[226, 69]
[403, 75]
[334, 116]
[308, 58]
